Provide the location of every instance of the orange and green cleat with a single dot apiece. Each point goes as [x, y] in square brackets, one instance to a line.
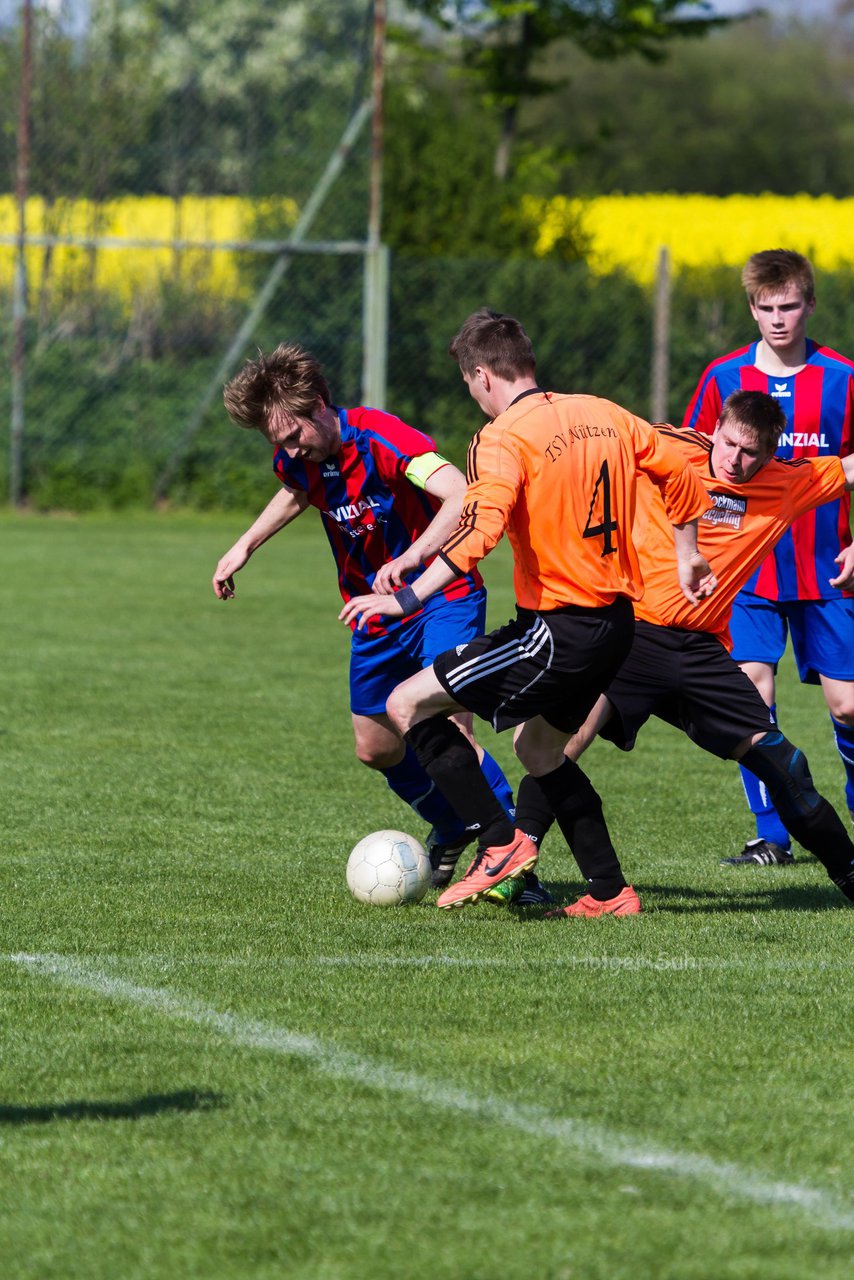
[489, 868]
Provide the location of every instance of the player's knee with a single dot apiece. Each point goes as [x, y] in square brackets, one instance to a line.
[400, 709]
[536, 758]
[842, 707]
[376, 757]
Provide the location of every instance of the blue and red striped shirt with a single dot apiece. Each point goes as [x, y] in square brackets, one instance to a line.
[819, 406]
[371, 511]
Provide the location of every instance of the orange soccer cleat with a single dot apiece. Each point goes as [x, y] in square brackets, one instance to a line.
[626, 903]
[489, 868]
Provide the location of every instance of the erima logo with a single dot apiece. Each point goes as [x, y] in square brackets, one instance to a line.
[727, 508]
[352, 510]
[330, 467]
[802, 440]
[781, 391]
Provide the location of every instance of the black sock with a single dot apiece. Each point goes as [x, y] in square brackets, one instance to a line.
[806, 814]
[823, 833]
[451, 761]
[578, 811]
[534, 814]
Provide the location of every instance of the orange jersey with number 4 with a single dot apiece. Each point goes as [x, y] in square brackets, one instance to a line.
[735, 534]
[558, 474]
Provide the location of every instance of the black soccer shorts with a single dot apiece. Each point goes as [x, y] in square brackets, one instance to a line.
[553, 664]
[688, 679]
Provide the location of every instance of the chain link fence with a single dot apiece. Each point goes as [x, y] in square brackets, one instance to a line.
[144, 292]
[118, 316]
[123, 400]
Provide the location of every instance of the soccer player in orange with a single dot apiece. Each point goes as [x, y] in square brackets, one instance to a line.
[558, 474]
[679, 667]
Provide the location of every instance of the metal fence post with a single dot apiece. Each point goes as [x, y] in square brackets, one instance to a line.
[19, 295]
[238, 343]
[375, 327]
[660, 375]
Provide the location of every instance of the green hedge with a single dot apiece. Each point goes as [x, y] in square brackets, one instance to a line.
[106, 405]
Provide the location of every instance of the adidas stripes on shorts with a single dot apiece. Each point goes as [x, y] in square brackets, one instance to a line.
[552, 664]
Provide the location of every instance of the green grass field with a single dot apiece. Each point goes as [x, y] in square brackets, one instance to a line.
[217, 1064]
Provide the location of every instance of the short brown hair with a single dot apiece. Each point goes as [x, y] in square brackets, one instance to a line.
[496, 342]
[290, 378]
[758, 412]
[772, 270]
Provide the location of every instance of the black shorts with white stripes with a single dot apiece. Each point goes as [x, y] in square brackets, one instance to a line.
[552, 664]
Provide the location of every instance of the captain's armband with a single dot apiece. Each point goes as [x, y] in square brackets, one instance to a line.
[423, 467]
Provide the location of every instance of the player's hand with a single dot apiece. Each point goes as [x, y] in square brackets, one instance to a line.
[223, 579]
[696, 577]
[362, 608]
[844, 581]
[392, 575]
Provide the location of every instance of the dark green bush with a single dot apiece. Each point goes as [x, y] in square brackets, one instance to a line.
[107, 404]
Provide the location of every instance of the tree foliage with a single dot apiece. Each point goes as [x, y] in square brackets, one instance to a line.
[502, 41]
[761, 107]
[441, 196]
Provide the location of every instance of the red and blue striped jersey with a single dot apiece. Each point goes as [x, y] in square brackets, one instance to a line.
[819, 406]
[371, 511]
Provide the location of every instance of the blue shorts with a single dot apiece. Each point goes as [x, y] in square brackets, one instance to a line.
[822, 634]
[379, 663]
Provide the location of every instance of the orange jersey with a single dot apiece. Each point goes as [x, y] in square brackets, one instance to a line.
[558, 474]
[735, 534]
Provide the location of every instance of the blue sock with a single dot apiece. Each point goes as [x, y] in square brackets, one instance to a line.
[844, 735]
[769, 825]
[409, 781]
[494, 775]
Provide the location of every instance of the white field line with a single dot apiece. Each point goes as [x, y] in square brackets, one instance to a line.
[661, 963]
[608, 1146]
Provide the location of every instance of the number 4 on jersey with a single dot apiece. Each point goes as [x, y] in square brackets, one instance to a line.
[606, 525]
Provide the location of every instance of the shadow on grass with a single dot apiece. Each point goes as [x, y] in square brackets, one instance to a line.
[152, 1104]
[683, 899]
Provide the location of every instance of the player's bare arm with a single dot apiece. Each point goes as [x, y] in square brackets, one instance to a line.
[282, 508]
[409, 600]
[696, 577]
[448, 484]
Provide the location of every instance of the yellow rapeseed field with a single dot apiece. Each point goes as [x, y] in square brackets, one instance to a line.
[625, 232]
[130, 271]
[628, 232]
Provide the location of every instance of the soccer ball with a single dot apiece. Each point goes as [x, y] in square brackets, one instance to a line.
[388, 869]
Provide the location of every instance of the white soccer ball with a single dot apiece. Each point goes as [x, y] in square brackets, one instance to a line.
[388, 869]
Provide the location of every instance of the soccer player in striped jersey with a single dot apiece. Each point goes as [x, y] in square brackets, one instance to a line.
[387, 501]
[803, 589]
[558, 475]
